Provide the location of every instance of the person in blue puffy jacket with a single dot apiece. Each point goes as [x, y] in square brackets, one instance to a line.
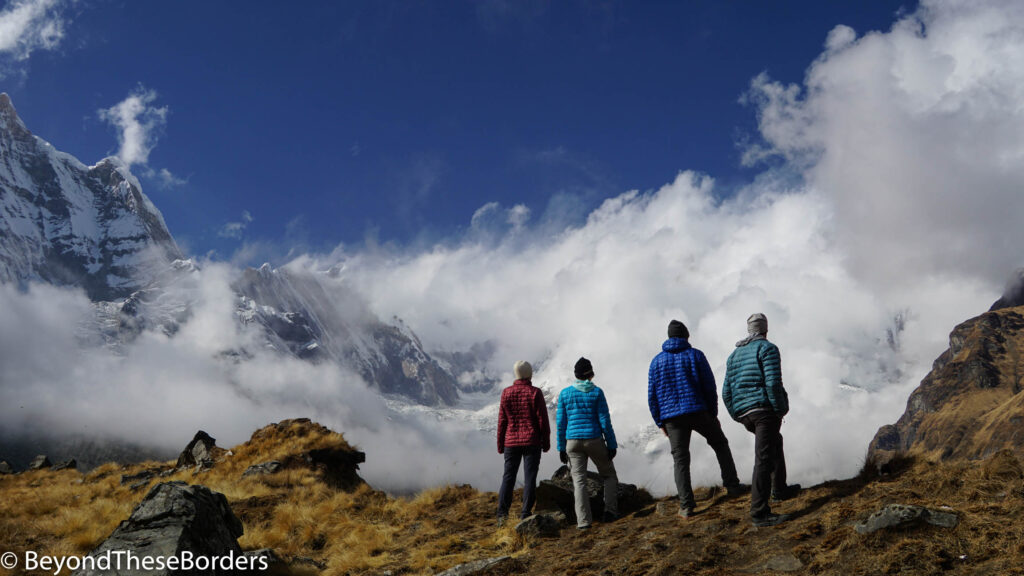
[755, 397]
[683, 398]
[585, 432]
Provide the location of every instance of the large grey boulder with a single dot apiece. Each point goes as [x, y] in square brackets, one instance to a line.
[543, 524]
[262, 469]
[5, 468]
[900, 515]
[557, 494]
[174, 520]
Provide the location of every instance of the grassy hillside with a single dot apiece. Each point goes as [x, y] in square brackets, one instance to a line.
[330, 531]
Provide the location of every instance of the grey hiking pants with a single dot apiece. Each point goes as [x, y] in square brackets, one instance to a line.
[594, 449]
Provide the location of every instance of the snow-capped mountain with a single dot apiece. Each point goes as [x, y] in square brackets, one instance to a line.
[66, 223]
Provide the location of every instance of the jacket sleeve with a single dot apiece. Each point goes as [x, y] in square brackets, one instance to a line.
[544, 425]
[727, 387]
[708, 389]
[560, 422]
[652, 396]
[502, 424]
[605, 418]
[771, 363]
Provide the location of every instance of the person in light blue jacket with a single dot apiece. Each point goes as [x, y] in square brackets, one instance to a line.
[585, 432]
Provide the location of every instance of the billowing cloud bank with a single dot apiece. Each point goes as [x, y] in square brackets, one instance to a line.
[885, 215]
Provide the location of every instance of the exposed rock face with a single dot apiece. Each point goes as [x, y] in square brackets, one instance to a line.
[263, 469]
[172, 519]
[970, 405]
[65, 223]
[557, 494]
[200, 451]
[543, 524]
[40, 462]
[70, 464]
[5, 468]
[314, 317]
[900, 516]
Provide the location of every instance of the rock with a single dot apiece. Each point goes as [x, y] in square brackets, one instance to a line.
[138, 485]
[476, 567]
[5, 468]
[145, 475]
[784, 563]
[262, 469]
[172, 519]
[544, 524]
[40, 462]
[557, 494]
[199, 449]
[899, 515]
[70, 464]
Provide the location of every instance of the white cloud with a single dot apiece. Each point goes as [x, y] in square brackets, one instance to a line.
[166, 179]
[30, 25]
[916, 136]
[235, 229]
[138, 124]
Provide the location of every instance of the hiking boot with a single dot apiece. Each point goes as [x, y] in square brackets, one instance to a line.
[734, 490]
[583, 528]
[786, 493]
[610, 517]
[686, 512]
[501, 521]
[769, 519]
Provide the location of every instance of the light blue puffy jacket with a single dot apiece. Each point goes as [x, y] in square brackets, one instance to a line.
[583, 414]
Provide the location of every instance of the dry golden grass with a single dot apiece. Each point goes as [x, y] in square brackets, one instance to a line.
[367, 532]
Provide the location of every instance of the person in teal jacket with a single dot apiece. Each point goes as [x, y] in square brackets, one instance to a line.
[755, 397]
[585, 432]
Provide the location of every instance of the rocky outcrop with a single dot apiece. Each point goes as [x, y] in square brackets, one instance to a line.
[201, 451]
[70, 464]
[40, 462]
[5, 468]
[311, 446]
[543, 524]
[1013, 296]
[174, 520]
[969, 405]
[557, 494]
[478, 567]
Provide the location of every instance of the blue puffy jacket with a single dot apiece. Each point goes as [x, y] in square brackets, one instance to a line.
[753, 379]
[680, 381]
[583, 414]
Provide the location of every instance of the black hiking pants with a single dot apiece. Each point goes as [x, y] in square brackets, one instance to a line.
[769, 460]
[708, 426]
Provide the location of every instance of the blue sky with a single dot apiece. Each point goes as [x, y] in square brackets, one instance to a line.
[332, 122]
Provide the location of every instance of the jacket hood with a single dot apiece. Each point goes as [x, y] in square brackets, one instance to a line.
[584, 385]
[675, 345]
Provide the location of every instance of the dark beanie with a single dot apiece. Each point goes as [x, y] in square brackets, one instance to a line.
[677, 329]
[583, 369]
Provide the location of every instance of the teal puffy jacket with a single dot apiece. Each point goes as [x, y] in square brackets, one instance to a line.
[753, 379]
[583, 414]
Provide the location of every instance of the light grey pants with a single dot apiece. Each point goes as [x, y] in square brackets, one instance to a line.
[579, 451]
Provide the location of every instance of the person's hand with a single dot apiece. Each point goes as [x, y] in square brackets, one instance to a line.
[545, 448]
[663, 431]
[611, 453]
[563, 456]
[501, 450]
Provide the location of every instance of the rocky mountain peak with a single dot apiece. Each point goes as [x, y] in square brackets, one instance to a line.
[66, 223]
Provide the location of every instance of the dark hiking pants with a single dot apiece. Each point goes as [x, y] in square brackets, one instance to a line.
[769, 459]
[530, 455]
[708, 426]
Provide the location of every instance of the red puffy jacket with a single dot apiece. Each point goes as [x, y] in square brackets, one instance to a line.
[523, 417]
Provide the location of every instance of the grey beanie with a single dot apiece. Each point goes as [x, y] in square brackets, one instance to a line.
[522, 370]
[757, 324]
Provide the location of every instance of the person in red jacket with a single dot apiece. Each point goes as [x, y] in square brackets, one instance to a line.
[523, 432]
